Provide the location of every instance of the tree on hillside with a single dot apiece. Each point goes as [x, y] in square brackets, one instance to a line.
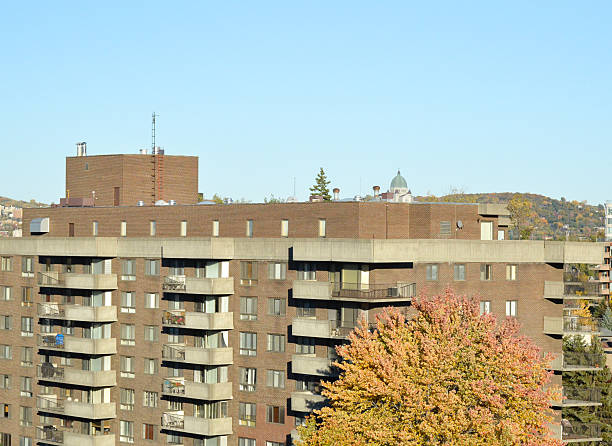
[321, 186]
[521, 216]
[449, 376]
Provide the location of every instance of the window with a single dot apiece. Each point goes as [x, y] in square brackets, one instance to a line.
[249, 228]
[246, 414]
[248, 308]
[275, 414]
[151, 333]
[128, 269]
[149, 399]
[151, 300]
[151, 267]
[27, 266]
[27, 328]
[246, 442]
[275, 378]
[305, 310]
[5, 322]
[123, 232]
[485, 307]
[322, 227]
[215, 228]
[277, 271]
[459, 272]
[152, 228]
[94, 228]
[276, 306]
[284, 228]
[26, 386]
[150, 366]
[6, 293]
[183, 228]
[25, 416]
[127, 367]
[7, 264]
[128, 334]
[26, 296]
[126, 431]
[248, 344]
[511, 308]
[276, 343]
[127, 302]
[486, 230]
[127, 399]
[432, 272]
[511, 272]
[501, 235]
[274, 443]
[445, 228]
[6, 352]
[5, 382]
[27, 356]
[307, 271]
[248, 273]
[304, 346]
[247, 378]
[6, 412]
[149, 432]
[486, 271]
[25, 441]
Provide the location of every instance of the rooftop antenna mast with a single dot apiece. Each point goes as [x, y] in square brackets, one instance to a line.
[153, 133]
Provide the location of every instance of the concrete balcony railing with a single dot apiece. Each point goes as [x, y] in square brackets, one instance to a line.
[571, 431]
[52, 435]
[180, 387]
[198, 320]
[194, 285]
[570, 325]
[68, 375]
[391, 292]
[306, 401]
[579, 397]
[319, 328]
[54, 310]
[577, 362]
[197, 355]
[572, 290]
[73, 344]
[52, 279]
[210, 427]
[74, 408]
[311, 365]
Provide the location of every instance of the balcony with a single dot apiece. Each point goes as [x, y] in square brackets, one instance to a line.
[197, 355]
[310, 365]
[75, 408]
[571, 431]
[306, 401]
[194, 285]
[53, 435]
[579, 397]
[570, 325]
[198, 320]
[319, 328]
[353, 292]
[179, 387]
[72, 344]
[53, 310]
[572, 290]
[52, 279]
[210, 427]
[577, 362]
[68, 375]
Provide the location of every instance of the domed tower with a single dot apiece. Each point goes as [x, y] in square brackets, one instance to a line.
[399, 189]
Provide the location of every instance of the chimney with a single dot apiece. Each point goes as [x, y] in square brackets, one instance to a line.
[81, 148]
[336, 194]
[376, 190]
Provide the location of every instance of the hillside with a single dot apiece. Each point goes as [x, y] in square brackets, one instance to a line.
[4, 201]
[554, 217]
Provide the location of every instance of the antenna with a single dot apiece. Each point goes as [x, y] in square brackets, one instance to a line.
[153, 133]
[293, 187]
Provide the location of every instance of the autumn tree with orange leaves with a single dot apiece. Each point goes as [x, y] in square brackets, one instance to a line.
[448, 376]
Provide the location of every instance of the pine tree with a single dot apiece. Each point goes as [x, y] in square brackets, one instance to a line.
[320, 186]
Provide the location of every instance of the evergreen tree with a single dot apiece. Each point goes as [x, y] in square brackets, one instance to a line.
[320, 186]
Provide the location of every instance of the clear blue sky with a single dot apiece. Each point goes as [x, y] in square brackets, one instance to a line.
[487, 96]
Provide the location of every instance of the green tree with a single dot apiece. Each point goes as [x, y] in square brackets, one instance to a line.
[521, 216]
[321, 186]
[448, 376]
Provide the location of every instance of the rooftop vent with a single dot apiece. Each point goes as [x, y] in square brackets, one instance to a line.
[81, 148]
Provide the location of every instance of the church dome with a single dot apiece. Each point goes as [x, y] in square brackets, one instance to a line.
[398, 182]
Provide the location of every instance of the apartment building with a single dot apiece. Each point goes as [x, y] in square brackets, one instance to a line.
[212, 325]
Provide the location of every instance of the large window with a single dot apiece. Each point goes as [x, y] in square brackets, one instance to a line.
[151, 333]
[275, 414]
[511, 308]
[276, 343]
[432, 272]
[6, 351]
[128, 269]
[486, 271]
[127, 367]
[247, 378]
[5, 322]
[304, 346]
[6, 264]
[150, 366]
[485, 307]
[128, 334]
[152, 267]
[126, 431]
[6, 293]
[277, 306]
[128, 302]
[25, 416]
[127, 399]
[26, 296]
[27, 326]
[275, 378]
[248, 308]
[459, 272]
[284, 228]
[151, 300]
[149, 431]
[307, 271]
[248, 273]
[248, 344]
[27, 266]
[26, 386]
[511, 271]
[149, 399]
[27, 356]
[247, 414]
[247, 442]
[277, 271]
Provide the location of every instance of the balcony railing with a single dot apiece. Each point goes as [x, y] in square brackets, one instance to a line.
[575, 430]
[50, 371]
[580, 360]
[50, 433]
[174, 283]
[173, 420]
[173, 352]
[51, 340]
[85, 281]
[87, 313]
[578, 324]
[588, 288]
[49, 402]
[373, 291]
[174, 386]
[174, 317]
[586, 394]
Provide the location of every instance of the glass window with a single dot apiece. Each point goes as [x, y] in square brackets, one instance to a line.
[27, 326]
[511, 308]
[25, 441]
[5, 322]
[246, 442]
[486, 271]
[246, 414]
[249, 228]
[276, 306]
[215, 228]
[27, 266]
[247, 379]
[94, 228]
[150, 366]
[276, 343]
[149, 431]
[128, 334]
[27, 356]
[7, 264]
[128, 269]
[307, 271]
[26, 386]
[277, 271]
[248, 308]
[6, 293]
[275, 378]
[152, 267]
[304, 346]
[126, 431]
[127, 399]
[149, 399]
[248, 273]
[26, 296]
[275, 414]
[248, 344]
[5, 381]
[485, 307]
[25, 416]
[152, 227]
[6, 352]
[511, 271]
[151, 300]
[128, 303]
[284, 228]
[459, 272]
[322, 227]
[123, 231]
[151, 333]
[305, 310]
[432, 272]
[184, 228]
[127, 367]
